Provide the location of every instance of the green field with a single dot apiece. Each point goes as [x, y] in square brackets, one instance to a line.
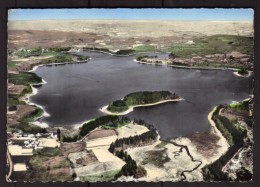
[144, 48]
[105, 176]
[12, 64]
[33, 116]
[242, 106]
[214, 44]
[23, 78]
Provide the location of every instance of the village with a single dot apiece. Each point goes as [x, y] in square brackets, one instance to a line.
[233, 60]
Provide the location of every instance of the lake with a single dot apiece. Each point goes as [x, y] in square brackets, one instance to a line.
[74, 93]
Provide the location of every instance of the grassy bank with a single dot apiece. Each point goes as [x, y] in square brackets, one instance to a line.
[23, 78]
[144, 48]
[140, 98]
[14, 100]
[33, 116]
[64, 57]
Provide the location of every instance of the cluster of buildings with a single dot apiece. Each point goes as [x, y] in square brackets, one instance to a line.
[21, 146]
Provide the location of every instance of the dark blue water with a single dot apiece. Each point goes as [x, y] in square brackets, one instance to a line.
[74, 93]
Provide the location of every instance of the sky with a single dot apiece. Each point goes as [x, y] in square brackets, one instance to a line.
[132, 14]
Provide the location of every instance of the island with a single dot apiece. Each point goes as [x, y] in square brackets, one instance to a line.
[139, 99]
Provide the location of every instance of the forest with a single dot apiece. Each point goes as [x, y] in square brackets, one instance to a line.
[133, 141]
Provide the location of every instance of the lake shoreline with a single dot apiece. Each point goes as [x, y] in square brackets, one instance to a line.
[104, 108]
[26, 98]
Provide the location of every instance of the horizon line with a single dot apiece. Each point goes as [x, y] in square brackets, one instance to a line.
[249, 20]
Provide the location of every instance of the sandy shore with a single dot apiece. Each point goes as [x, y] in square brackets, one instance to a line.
[247, 75]
[131, 108]
[222, 141]
[77, 126]
[26, 99]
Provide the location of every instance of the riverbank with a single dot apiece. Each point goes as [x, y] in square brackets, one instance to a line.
[131, 108]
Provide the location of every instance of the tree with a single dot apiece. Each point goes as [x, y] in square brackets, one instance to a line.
[58, 133]
[172, 56]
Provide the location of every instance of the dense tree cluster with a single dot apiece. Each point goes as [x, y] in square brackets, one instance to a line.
[142, 122]
[124, 52]
[139, 98]
[172, 56]
[137, 140]
[97, 49]
[130, 168]
[244, 175]
[139, 58]
[59, 49]
[242, 71]
[107, 121]
[118, 106]
[119, 123]
[26, 127]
